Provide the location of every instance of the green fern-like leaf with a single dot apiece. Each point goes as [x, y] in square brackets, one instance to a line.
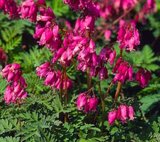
[3, 85]
[8, 125]
[9, 139]
[144, 58]
[33, 58]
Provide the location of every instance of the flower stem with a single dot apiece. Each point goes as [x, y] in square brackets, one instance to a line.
[109, 87]
[118, 90]
[65, 92]
[102, 96]
[89, 80]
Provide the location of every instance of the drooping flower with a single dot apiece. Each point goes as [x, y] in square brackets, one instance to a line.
[46, 14]
[47, 30]
[112, 116]
[148, 8]
[128, 35]
[122, 113]
[53, 78]
[10, 7]
[81, 101]
[108, 8]
[87, 103]
[77, 4]
[48, 35]
[28, 10]
[15, 91]
[83, 24]
[143, 76]
[130, 112]
[107, 34]
[123, 71]
[11, 72]
[2, 4]
[107, 54]
[43, 69]
[92, 104]
[103, 73]
[127, 4]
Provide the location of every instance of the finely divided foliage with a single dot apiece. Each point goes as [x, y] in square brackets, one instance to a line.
[77, 90]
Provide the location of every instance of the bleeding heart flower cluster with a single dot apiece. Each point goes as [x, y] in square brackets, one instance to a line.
[128, 35]
[54, 79]
[10, 7]
[15, 91]
[47, 31]
[148, 8]
[89, 7]
[86, 103]
[108, 8]
[77, 45]
[28, 10]
[143, 76]
[123, 113]
[123, 71]
[78, 4]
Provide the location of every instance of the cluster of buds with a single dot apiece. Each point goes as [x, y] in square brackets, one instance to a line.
[15, 91]
[86, 103]
[148, 8]
[123, 113]
[54, 79]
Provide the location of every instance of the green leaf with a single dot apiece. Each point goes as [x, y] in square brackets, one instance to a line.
[149, 101]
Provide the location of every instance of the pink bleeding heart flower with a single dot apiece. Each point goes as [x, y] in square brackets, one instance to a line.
[107, 54]
[103, 73]
[92, 104]
[123, 71]
[43, 69]
[112, 116]
[9, 7]
[128, 35]
[83, 24]
[11, 71]
[143, 76]
[107, 34]
[81, 101]
[15, 91]
[46, 14]
[122, 113]
[130, 112]
[28, 10]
